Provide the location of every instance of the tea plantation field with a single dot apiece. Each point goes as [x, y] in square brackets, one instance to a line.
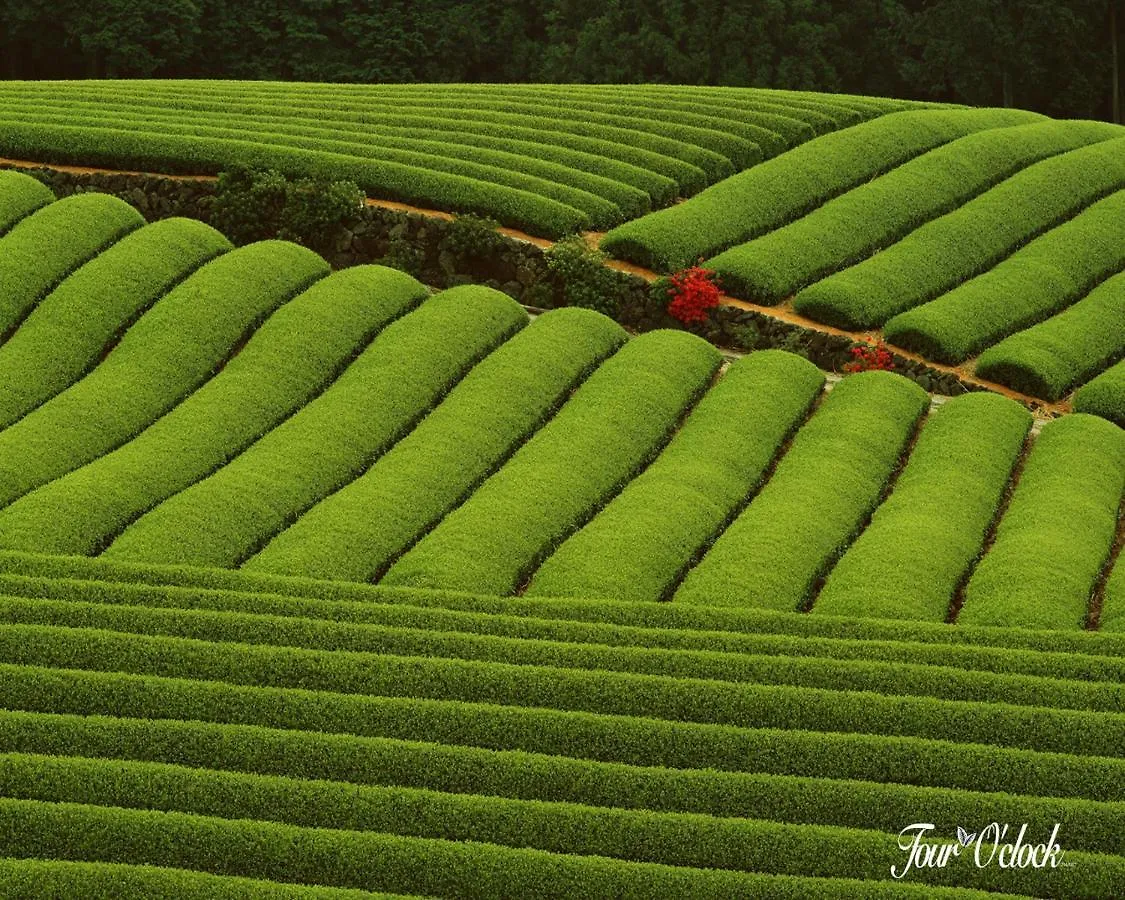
[549, 158]
[323, 583]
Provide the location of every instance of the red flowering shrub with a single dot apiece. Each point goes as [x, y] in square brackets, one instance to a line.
[866, 357]
[694, 291]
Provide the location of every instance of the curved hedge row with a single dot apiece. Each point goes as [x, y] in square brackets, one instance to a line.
[817, 500]
[1087, 824]
[170, 352]
[1105, 395]
[1056, 536]
[786, 667]
[1038, 280]
[290, 359]
[962, 244]
[47, 245]
[231, 514]
[549, 159]
[859, 223]
[655, 624]
[776, 192]
[360, 530]
[1050, 358]
[638, 546]
[605, 434]
[923, 539]
[20, 196]
[389, 180]
[73, 326]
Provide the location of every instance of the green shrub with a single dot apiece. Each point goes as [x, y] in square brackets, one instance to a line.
[923, 540]
[1040, 279]
[326, 758]
[173, 349]
[780, 190]
[46, 246]
[1050, 358]
[660, 623]
[579, 273]
[635, 741]
[28, 878]
[230, 515]
[1056, 535]
[873, 215]
[783, 664]
[1105, 395]
[20, 196]
[74, 325]
[357, 532]
[296, 353]
[470, 236]
[614, 424]
[817, 500]
[256, 205]
[637, 546]
[962, 244]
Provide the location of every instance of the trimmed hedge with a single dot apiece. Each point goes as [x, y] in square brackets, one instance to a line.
[46, 246]
[1037, 281]
[370, 625]
[603, 200]
[375, 861]
[24, 879]
[360, 530]
[859, 223]
[20, 196]
[1087, 824]
[962, 244]
[208, 585]
[1105, 395]
[391, 683]
[906, 677]
[636, 548]
[666, 838]
[1050, 358]
[289, 360]
[923, 540]
[170, 352]
[643, 741]
[778, 191]
[602, 437]
[1056, 535]
[71, 328]
[230, 515]
[817, 500]
[389, 180]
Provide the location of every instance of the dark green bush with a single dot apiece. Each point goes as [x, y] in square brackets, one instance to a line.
[253, 205]
[469, 235]
[582, 277]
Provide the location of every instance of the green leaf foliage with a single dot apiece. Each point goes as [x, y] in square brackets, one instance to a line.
[1056, 535]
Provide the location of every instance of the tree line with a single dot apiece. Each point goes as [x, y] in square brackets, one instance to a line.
[1060, 58]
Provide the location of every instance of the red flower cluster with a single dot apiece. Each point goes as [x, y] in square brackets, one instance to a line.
[866, 357]
[693, 292]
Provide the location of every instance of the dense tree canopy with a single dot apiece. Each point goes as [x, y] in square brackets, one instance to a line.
[1057, 57]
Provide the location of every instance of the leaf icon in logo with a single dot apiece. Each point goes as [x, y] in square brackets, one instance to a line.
[964, 837]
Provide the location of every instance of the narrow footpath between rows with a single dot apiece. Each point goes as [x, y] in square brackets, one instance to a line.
[783, 312]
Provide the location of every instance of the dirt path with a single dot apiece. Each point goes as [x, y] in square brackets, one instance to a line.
[784, 312]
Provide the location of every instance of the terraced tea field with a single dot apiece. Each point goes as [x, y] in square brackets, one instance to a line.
[995, 245]
[548, 158]
[322, 583]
